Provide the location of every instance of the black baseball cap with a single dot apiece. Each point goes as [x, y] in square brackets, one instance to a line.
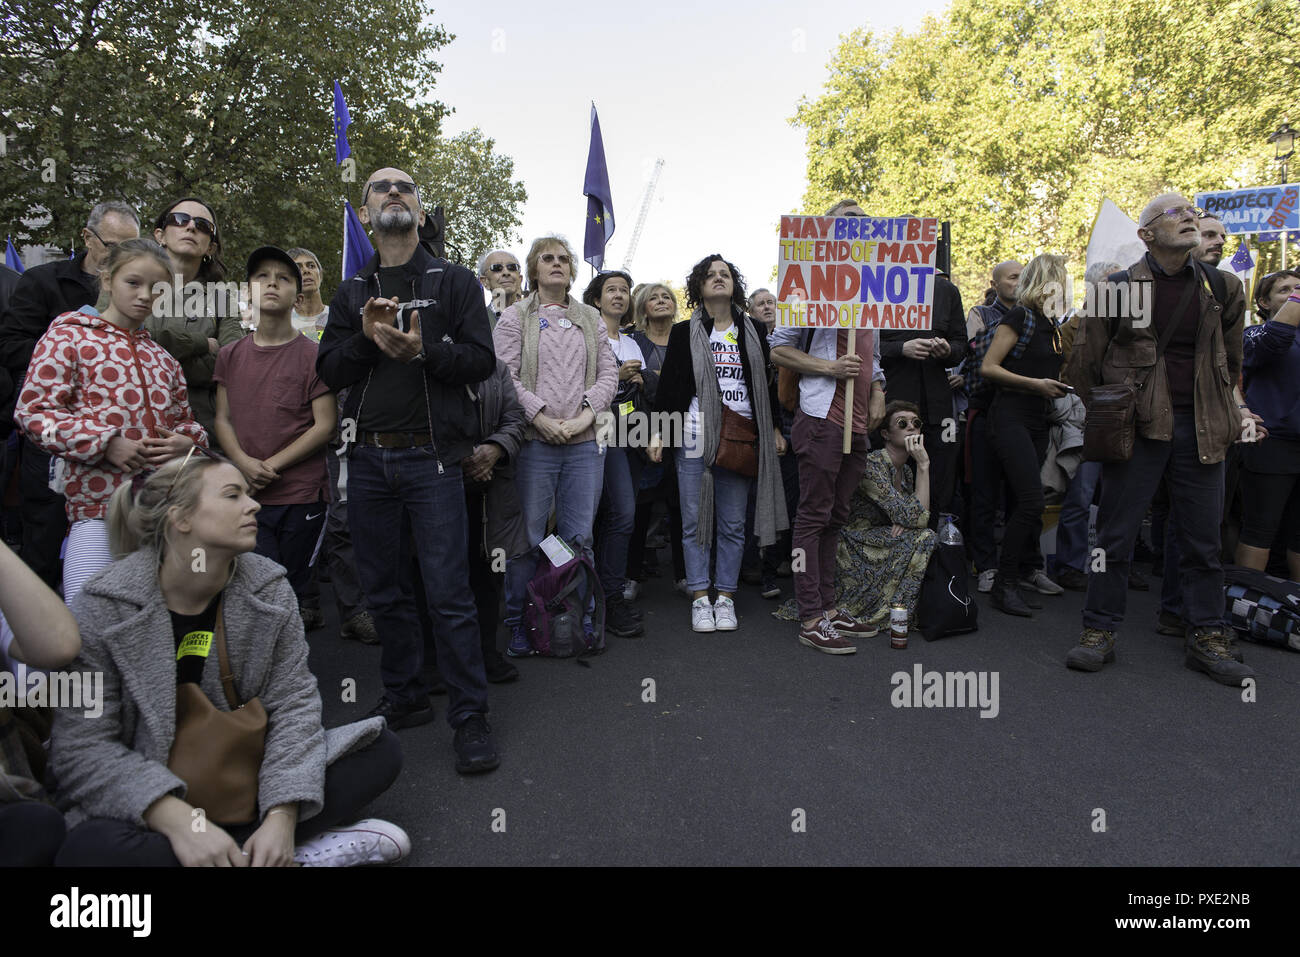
[263, 253]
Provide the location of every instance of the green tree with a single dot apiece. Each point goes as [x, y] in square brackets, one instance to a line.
[1014, 119]
[232, 102]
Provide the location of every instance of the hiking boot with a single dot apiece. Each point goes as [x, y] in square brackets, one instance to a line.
[519, 646]
[823, 636]
[724, 614]
[986, 580]
[1009, 600]
[1028, 596]
[312, 618]
[1137, 581]
[1095, 649]
[1214, 651]
[473, 743]
[1072, 579]
[771, 589]
[1167, 623]
[849, 627]
[360, 627]
[634, 611]
[400, 716]
[702, 615]
[371, 841]
[619, 621]
[1039, 582]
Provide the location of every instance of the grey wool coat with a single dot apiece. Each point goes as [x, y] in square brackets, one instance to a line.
[115, 765]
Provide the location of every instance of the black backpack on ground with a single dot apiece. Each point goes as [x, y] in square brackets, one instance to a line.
[1261, 608]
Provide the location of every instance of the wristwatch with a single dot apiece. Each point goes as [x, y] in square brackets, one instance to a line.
[586, 403]
[418, 357]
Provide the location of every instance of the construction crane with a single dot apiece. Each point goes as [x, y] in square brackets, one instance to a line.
[645, 211]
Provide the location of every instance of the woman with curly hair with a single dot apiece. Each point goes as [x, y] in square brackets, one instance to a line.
[715, 382]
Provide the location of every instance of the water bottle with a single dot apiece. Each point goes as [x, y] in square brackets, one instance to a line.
[949, 533]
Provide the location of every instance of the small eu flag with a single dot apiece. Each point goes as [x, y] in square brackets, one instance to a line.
[341, 123]
[357, 250]
[12, 259]
[600, 207]
[1241, 260]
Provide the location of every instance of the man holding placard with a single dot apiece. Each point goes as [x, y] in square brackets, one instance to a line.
[841, 277]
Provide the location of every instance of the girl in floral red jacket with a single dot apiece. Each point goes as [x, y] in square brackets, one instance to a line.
[107, 400]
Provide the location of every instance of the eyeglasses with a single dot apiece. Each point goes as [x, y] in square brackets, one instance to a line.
[553, 257]
[386, 186]
[1057, 344]
[1176, 213]
[904, 423]
[512, 267]
[102, 242]
[183, 219]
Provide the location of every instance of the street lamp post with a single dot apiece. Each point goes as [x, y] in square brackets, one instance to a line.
[1283, 140]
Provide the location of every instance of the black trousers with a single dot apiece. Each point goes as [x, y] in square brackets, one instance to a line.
[30, 834]
[45, 519]
[1019, 433]
[351, 782]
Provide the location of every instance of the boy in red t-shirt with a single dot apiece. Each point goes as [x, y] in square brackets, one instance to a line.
[274, 416]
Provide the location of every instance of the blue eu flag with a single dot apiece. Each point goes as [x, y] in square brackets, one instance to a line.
[12, 259]
[1241, 260]
[600, 207]
[357, 250]
[341, 122]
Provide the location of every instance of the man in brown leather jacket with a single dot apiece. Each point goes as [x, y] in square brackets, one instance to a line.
[1187, 417]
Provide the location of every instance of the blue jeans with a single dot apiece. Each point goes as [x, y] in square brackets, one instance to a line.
[388, 488]
[616, 516]
[1072, 525]
[566, 478]
[730, 496]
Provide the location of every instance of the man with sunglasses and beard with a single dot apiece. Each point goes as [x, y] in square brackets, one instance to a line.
[501, 276]
[43, 293]
[1185, 350]
[411, 335]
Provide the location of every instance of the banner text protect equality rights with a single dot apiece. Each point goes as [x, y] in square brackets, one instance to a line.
[857, 272]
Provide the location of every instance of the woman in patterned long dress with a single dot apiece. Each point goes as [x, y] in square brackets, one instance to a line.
[885, 546]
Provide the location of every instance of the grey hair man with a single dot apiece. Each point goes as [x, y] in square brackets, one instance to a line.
[501, 275]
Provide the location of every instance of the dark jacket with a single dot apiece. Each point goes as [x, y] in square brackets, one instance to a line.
[8, 280]
[502, 422]
[1130, 357]
[677, 378]
[457, 334]
[925, 381]
[41, 295]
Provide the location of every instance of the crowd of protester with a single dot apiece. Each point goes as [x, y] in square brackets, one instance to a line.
[190, 469]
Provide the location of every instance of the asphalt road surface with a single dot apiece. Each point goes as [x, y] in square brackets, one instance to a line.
[756, 750]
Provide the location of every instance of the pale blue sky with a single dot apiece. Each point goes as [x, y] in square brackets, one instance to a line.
[708, 86]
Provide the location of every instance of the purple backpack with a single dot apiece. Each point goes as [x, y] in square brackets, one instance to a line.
[557, 600]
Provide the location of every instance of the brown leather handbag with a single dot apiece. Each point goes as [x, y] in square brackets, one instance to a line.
[738, 446]
[218, 754]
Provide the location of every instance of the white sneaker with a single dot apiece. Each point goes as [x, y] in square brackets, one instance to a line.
[702, 615]
[1040, 583]
[986, 579]
[371, 841]
[724, 614]
[631, 589]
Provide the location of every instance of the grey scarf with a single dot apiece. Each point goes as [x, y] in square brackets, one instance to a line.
[769, 505]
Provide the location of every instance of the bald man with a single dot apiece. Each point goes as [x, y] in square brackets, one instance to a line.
[408, 333]
[1187, 418]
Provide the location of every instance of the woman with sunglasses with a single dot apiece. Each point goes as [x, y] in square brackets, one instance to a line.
[107, 400]
[1023, 363]
[885, 544]
[1270, 467]
[198, 316]
[564, 373]
[159, 622]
